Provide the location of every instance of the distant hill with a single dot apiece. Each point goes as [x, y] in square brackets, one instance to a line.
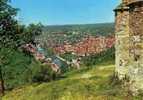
[94, 29]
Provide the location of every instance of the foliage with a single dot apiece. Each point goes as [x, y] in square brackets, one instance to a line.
[20, 69]
[14, 68]
[43, 74]
[49, 52]
[94, 59]
[68, 56]
[8, 25]
[11, 32]
[8, 34]
[14, 65]
[32, 31]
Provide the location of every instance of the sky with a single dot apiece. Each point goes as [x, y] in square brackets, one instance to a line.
[61, 12]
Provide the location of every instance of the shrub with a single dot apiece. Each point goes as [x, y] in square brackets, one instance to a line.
[108, 55]
[43, 74]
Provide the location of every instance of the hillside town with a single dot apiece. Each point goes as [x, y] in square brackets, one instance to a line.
[87, 46]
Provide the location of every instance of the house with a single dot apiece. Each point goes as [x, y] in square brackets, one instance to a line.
[87, 46]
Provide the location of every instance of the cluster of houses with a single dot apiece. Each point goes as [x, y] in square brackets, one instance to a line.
[38, 53]
[56, 62]
[87, 46]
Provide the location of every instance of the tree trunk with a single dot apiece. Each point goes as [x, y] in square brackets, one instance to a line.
[1, 83]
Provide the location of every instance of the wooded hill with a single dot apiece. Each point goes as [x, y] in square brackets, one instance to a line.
[94, 29]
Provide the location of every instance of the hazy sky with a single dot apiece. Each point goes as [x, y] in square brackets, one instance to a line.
[51, 12]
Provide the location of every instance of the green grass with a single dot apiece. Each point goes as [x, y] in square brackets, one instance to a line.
[85, 84]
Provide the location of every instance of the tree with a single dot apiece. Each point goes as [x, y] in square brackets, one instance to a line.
[8, 25]
[32, 31]
[13, 35]
[8, 34]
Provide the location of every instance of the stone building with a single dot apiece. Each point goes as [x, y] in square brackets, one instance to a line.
[129, 42]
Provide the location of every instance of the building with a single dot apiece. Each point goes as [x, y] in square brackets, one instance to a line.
[129, 42]
[87, 46]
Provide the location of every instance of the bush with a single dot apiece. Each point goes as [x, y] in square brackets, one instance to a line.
[43, 74]
[68, 56]
[108, 55]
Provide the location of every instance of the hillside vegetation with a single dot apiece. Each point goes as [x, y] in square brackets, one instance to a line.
[85, 84]
[94, 83]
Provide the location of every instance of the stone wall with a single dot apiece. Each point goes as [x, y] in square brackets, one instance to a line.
[122, 41]
[122, 20]
[122, 54]
[125, 1]
[136, 45]
[133, 1]
[136, 19]
[129, 43]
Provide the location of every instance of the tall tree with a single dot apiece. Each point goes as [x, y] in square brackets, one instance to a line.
[8, 34]
[12, 35]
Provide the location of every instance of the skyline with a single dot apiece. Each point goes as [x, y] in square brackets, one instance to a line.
[53, 12]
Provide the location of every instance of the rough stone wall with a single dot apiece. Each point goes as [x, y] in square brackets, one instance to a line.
[122, 42]
[129, 43]
[133, 1]
[125, 1]
[122, 55]
[136, 45]
[122, 20]
[136, 19]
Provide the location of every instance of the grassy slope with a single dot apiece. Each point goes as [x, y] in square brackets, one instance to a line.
[85, 84]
